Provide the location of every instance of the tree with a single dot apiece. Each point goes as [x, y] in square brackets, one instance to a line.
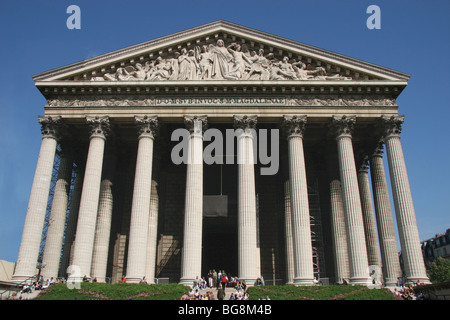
[439, 270]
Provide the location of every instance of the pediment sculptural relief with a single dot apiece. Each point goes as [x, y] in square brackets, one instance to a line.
[219, 62]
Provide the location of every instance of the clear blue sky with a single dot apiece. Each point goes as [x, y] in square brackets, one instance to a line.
[414, 38]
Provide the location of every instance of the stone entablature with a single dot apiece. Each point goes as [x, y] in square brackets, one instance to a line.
[218, 100]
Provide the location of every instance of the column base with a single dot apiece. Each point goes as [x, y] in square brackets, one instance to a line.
[390, 283]
[249, 281]
[361, 281]
[19, 279]
[303, 282]
[187, 282]
[76, 279]
[99, 279]
[133, 280]
[417, 280]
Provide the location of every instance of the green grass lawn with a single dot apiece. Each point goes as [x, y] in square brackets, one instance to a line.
[333, 292]
[127, 291]
[118, 291]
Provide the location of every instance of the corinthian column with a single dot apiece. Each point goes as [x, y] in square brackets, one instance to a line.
[373, 251]
[414, 266]
[67, 254]
[152, 241]
[288, 226]
[104, 218]
[37, 204]
[137, 245]
[191, 260]
[339, 233]
[87, 216]
[359, 271]
[385, 221]
[247, 233]
[55, 233]
[301, 228]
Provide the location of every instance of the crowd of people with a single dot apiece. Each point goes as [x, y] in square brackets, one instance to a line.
[219, 280]
[39, 284]
[408, 293]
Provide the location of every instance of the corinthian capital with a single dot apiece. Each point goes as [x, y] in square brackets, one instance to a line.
[245, 122]
[392, 126]
[343, 126]
[378, 149]
[50, 126]
[147, 126]
[294, 125]
[196, 124]
[99, 126]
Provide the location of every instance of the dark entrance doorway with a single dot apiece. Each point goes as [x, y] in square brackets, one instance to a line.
[220, 247]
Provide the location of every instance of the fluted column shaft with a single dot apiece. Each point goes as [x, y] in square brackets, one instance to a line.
[301, 228]
[104, 219]
[87, 217]
[37, 204]
[413, 262]
[339, 233]
[137, 245]
[191, 262]
[359, 269]
[152, 234]
[290, 270]
[370, 230]
[75, 197]
[55, 232]
[247, 224]
[385, 221]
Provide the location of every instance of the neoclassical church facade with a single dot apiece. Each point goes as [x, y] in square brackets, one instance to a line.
[290, 201]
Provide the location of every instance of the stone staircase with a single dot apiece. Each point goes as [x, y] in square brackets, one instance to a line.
[27, 296]
[228, 292]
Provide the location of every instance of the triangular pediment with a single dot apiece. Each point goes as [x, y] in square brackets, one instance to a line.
[220, 51]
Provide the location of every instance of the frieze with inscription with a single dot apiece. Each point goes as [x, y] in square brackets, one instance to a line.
[300, 100]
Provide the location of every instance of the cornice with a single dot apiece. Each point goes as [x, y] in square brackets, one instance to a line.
[213, 30]
[52, 89]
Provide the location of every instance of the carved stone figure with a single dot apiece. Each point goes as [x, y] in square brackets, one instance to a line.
[174, 66]
[218, 62]
[204, 62]
[221, 58]
[286, 70]
[301, 72]
[259, 67]
[162, 69]
[239, 58]
[187, 65]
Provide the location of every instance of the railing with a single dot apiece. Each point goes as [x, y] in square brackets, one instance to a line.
[173, 247]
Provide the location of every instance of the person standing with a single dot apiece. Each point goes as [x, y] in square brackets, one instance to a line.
[224, 281]
[215, 278]
[220, 293]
